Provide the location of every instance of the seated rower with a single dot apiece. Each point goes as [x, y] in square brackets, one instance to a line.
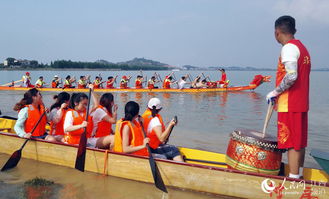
[97, 82]
[128, 137]
[158, 133]
[195, 81]
[75, 118]
[68, 82]
[167, 82]
[82, 83]
[110, 82]
[55, 82]
[151, 83]
[57, 115]
[124, 82]
[182, 82]
[139, 81]
[40, 83]
[103, 117]
[30, 109]
[26, 80]
[201, 84]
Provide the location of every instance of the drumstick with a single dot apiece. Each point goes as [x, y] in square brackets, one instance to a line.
[268, 117]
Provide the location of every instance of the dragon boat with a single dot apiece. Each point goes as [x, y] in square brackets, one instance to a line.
[256, 82]
[202, 171]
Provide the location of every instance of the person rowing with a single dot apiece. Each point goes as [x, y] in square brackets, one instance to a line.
[110, 82]
[55, 82]
[182, 82]
[168, 81]
[151, 83]
[74, 122]
[97, 82]
[128, 137]
[202, 84]
[30, 109]
[26, 80]
[124, 82]
[158, 133]
[82, 83]
[57, 115]
[195, 81]
[40, 83]
[68, 82]
[139, 81]
[103, 117]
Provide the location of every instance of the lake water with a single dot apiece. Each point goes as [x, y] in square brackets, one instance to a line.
[205, 119]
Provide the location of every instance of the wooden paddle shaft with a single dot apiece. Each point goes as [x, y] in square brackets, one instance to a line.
[11, 83]
[268, 117]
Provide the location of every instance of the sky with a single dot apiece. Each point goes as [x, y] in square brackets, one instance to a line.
[177, 32]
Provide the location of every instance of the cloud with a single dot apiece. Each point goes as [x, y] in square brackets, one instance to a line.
[311, 11]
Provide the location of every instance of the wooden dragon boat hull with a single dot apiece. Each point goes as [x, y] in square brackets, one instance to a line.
[136, 90]
[211, 177]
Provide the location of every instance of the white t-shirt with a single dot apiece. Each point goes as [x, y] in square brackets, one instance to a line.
[97, 116]
[181, 84]
[153, 123]
[289, 53]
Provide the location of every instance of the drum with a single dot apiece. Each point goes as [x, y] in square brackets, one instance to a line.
[248, 151]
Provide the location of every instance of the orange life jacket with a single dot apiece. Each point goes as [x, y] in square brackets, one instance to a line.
[73, 137]
[166, 83]
[104, 128]
[150, 84]
[58, 129]
[123, 83]
[54, 84]
[109, 84]
[136, 137]
[33, 116]
[97, 84]
[154, 140]
[138, 84]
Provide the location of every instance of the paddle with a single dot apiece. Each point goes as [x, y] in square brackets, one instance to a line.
[12, 82]
[16, 156]
[158, 77]
[204, 161]
[175, 120]
[268, 117]
[154, 168]
[206, 77]
[81, 155]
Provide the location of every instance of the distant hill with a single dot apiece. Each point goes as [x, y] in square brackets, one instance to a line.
[143, 62]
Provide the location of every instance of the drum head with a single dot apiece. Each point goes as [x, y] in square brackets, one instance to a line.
[253, 137]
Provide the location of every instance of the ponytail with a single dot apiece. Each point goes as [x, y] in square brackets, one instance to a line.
[60, 99]
[27, 99]
[76, 98]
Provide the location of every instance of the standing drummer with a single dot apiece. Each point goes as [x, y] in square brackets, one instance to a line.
[292, 94]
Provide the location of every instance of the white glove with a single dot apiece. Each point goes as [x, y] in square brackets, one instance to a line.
[271, 96]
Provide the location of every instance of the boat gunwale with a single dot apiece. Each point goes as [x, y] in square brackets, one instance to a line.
[182, 163]
[163, 90]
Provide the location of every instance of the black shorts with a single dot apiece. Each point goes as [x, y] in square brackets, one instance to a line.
[167, 151]
[40, 137]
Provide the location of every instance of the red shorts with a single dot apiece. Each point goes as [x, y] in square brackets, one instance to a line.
[292, 130]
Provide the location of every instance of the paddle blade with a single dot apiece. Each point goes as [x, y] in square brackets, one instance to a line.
[13, 160]
[156, 175]
[81, 155]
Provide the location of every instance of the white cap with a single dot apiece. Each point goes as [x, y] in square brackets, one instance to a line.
[154, 102]
[56, 76]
